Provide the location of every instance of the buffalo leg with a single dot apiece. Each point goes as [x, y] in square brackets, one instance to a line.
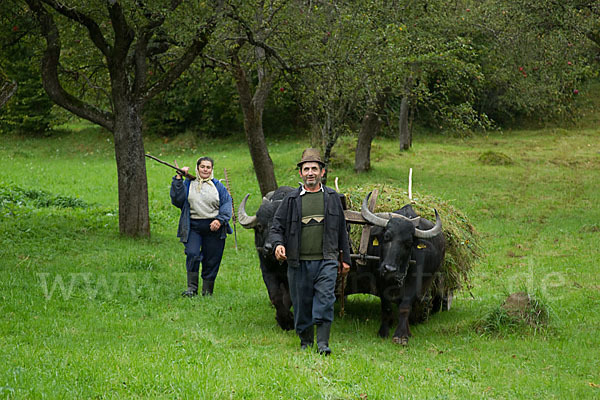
[279, 295]
[386, 317]
[402, 332]
[409, 296]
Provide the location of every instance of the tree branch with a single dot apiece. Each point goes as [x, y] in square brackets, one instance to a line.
[124, 35]
[50, 80]
[185, 60]
[93, 29]
[250, 38]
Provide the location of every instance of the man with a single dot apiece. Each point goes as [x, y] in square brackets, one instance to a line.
[308, 231]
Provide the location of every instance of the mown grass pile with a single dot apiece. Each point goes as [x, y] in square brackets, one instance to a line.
[12, 195]
[462, 240]
[521, 312]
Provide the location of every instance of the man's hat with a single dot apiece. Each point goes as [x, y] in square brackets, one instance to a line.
[311, 155]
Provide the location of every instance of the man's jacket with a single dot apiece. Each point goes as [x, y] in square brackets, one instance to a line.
[287, 227]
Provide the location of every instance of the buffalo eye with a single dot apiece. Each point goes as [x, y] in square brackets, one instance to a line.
[387, 236]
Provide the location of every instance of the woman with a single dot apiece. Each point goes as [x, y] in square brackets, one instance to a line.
[206, 208]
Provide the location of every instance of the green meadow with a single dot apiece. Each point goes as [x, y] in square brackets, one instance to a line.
[85, 313]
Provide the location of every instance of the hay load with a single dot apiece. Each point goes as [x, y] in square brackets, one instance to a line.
[462, 240]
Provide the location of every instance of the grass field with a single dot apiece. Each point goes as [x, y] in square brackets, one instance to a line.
[85, 313]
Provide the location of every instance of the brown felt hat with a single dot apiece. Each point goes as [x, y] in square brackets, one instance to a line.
[311, 155]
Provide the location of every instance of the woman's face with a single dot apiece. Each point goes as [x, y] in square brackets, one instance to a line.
[205, 169]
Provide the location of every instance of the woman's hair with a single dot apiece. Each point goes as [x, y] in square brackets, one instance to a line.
[212, 162]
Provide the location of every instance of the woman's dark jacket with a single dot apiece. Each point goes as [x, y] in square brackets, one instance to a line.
[179, 194]
[287, 227]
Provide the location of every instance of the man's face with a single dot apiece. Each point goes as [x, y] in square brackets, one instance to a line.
[311, 174]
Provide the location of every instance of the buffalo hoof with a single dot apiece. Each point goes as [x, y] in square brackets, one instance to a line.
[384, 332]
[287, 324]
[400, 340]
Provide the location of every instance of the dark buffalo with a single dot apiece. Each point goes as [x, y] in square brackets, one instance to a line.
[274, 273]
[405, 252]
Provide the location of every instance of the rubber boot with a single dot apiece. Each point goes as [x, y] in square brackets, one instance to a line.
[192, 282]
[307, 338]
[323, 331]
[207, 287]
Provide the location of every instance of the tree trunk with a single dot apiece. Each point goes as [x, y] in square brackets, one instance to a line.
[371, 124]
[261, 160]
[7, 90]
[252, 108]
[329, 137]
[403, 126]
[368, 131]
[131, 171]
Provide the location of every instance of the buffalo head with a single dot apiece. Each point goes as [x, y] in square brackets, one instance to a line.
[396, 237]
[261, 222]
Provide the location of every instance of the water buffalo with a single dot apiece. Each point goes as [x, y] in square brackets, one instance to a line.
[405, 253]
[274, 273]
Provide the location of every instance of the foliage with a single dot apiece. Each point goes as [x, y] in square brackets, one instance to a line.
[206, 103]
[200, 101]
[465, 67]
[532, 61]
[444, 73]
[30, 110]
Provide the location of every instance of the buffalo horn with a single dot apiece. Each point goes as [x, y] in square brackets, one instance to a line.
[246, 220]
[436, 230]
[268, 195]
[368, 214]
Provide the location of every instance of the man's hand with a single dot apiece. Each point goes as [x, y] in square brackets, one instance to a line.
[280, 253]
[215, 225]
[345, 268]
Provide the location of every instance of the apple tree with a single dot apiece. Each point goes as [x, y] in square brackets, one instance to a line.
[257, 46]
[103, 61]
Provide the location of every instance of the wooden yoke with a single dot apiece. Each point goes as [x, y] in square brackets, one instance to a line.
[366, 232]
